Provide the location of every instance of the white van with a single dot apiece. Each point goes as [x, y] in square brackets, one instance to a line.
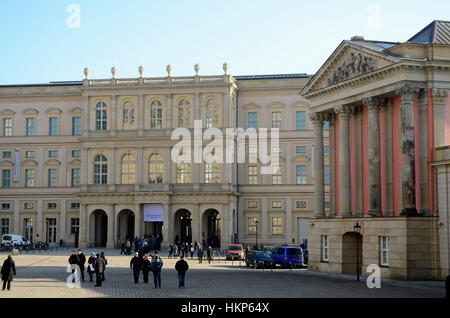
[12, 239]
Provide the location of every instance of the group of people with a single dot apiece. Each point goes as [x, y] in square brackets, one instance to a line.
[145, 243]
[180, 249]
[96, 265]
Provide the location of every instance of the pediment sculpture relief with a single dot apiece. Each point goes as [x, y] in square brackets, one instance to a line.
[354, 65]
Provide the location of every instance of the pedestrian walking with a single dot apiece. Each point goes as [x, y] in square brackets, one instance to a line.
[136, 266]
[8, 271]
[146, 268]
[181, 266]
[73, 261]
[102, 255]
[192, 251]
[171, 250]
[123, 249]
[91, 267]
[200, 254]
[99, 268]
[209, 254]
[156, 266]
[81, 262]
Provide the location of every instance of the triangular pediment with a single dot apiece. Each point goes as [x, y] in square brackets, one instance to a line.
[349, 61]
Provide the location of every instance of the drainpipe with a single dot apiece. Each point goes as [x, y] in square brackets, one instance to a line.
[237, 170]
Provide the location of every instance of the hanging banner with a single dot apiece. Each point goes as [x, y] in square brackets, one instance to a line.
[153, 213]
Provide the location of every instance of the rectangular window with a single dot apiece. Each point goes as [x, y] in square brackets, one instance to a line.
[76, 126]
[252, 204]
[384, 250]
[326, 125]
[6, 178]
[28, 205]
[74, 225]
[252, 175]
[277, 226]
[30, 154]
[301, 204]
[276, 175]
[51, 206]
[31, 126]
[326, 174]
[75, 205]
[300, 120]
[5, 226]
[251, 225]
[325, 248]
[7, 154]
[6, 206]
[53, 154]
[29, 178]
[326, 149]
[277, 204]
[7, 127]
[252, 120]
[276, 119]
[76, 153]
[52, 177]
[301, 174]
[76, 177]
[300, 149]
[53, 126]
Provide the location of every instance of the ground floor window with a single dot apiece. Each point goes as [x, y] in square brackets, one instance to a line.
[384, 250]
[5, 226]
[325, 248]
[51, 224]
[277, 226]
[74, 225]
[251, 225]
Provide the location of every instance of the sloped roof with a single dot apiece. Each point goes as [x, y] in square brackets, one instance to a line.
[437, 32]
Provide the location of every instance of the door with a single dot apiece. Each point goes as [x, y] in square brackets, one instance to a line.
[303, 230]
[51, 230]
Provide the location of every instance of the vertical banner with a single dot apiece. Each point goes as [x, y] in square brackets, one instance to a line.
[16, 166]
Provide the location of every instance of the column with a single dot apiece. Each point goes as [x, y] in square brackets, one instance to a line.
[332, 160]
[86, 117]
[167, 231]
[263, 226]
[197, 113]
[373, 146]
[62, 221]
[423, 153]
[359, 166]
[288, 225]
[84, 225]
[140, 175]
[112, 169]
[138, 220]
[17, 217]
[115, 214]
[407, 174]
[113, 114]
[226, 109]
[110, 241]
[169, 107]
[84, 168]
[344, 160]
[195, 223]
[141, 115]
[389, 170]
[439, 96]
[39, 230]
[317, 121]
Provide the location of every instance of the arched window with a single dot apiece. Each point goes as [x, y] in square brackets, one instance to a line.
[100, 170]
[212, 116]
[156, 169]
[184, 173]
[128, 169]
[100, 116]
[212, 172]
[156, 115]
[183, 113]
[128, 116]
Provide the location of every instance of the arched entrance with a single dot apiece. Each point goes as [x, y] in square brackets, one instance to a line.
[125, 224]
[211, 228]
[351, 248]
[182, 226]
[99, 228]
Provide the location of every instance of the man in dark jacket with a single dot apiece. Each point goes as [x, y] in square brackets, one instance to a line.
[73, 261]
[136, 266]
[145, 268]
[81, 262]
[181, 266]
[99, 268]
[156, 266]
[8, 270]
[102, 255]
[209, 254]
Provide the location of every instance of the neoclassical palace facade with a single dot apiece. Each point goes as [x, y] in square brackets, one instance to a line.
[388, 110]
[89, 162]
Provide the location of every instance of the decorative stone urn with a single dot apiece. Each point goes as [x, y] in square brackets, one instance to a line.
[86, 72]
[169, 69]
[141, 70]
[196, 68]
[113, 71]
[225, 68]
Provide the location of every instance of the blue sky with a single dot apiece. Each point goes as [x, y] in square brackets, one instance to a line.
[253, 36]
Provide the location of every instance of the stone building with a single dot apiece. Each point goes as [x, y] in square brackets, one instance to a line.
[388, 111]
[89, 162]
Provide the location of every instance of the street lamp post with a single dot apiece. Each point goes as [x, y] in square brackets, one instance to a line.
[256, 234]
[46, 235]
[357, 229]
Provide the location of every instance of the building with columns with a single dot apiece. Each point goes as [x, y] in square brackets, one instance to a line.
[89, 162]
[388, 111]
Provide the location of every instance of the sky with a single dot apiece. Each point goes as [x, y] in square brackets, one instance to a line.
[54, 40]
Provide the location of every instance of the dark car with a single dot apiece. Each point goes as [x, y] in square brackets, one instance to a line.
[259, 259]
[288, 256]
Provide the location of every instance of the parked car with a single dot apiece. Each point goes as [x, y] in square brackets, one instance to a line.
[288, 256]
[235, 252]
[268, 249]
[259, 259]
[15, 240]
